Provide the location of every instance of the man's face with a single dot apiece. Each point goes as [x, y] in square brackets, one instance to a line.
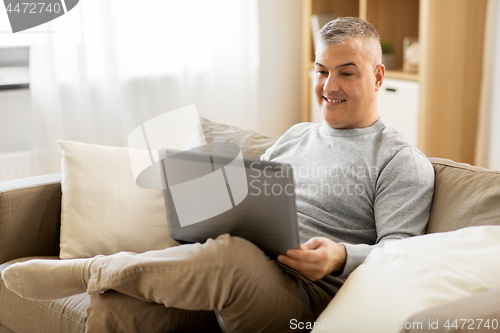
[346, 84]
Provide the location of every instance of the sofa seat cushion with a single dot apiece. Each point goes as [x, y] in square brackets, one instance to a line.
[464, 196]
[65, 315]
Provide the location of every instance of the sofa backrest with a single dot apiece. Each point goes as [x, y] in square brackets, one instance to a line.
[464, 196]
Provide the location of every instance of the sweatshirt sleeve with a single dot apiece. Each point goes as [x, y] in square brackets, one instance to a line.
[404, 191]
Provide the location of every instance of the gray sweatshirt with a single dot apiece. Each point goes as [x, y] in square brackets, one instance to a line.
[359, 187]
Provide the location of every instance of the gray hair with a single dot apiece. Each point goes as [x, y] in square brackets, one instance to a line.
[343, 29]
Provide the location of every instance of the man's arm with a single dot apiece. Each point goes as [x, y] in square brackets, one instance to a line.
[402, 204]
[403, 198]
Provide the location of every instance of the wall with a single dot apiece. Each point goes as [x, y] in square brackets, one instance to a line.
[280, 65]
[15, 120]
[15, 134]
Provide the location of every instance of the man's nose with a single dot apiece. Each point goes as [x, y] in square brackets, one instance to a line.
[330, 85]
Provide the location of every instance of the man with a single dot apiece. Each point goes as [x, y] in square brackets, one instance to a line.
[358, 185]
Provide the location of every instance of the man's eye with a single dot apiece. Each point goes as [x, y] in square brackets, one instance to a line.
[347, 74]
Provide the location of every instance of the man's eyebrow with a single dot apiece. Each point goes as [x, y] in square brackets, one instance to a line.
[343, 65]
[347, 64]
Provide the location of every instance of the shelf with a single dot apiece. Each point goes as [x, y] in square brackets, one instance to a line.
[394, 20]
[399, 74]
[339, 7]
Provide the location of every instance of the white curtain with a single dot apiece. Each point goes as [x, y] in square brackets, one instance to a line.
[488, 141]
[109, 65]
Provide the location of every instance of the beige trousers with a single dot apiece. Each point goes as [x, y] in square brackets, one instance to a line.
[197, 287]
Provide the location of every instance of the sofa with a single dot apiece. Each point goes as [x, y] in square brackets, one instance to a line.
[465, 198]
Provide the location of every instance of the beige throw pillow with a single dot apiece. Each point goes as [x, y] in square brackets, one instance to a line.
[408, 276]
[252, 144]
[103, 210]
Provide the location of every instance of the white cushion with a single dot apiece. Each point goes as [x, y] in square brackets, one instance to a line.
[103, 210]
[405, 277]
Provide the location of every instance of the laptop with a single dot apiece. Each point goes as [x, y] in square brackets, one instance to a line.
[261, 206]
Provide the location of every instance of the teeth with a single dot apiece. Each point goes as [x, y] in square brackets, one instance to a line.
[334, 100]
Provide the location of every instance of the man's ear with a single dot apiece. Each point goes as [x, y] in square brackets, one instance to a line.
[379, 72]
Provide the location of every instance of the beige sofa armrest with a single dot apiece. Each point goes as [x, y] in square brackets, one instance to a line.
[483, 306]
[30, 215]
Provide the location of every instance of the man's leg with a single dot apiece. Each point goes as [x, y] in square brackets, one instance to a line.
[113, 312]
[248, 291]
[229, 275]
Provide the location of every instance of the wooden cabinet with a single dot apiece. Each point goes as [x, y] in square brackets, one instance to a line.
[451, 35]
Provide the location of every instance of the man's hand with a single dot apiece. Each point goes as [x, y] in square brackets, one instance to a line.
[316, 258]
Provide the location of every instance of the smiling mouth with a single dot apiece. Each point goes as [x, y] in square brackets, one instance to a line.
[333, 100]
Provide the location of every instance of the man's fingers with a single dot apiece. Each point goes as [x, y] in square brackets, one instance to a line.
[303, 255]
[298, 265]
[312, 244]
[309, 270]
[316, 258]
[287, 261]
[306, 251]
